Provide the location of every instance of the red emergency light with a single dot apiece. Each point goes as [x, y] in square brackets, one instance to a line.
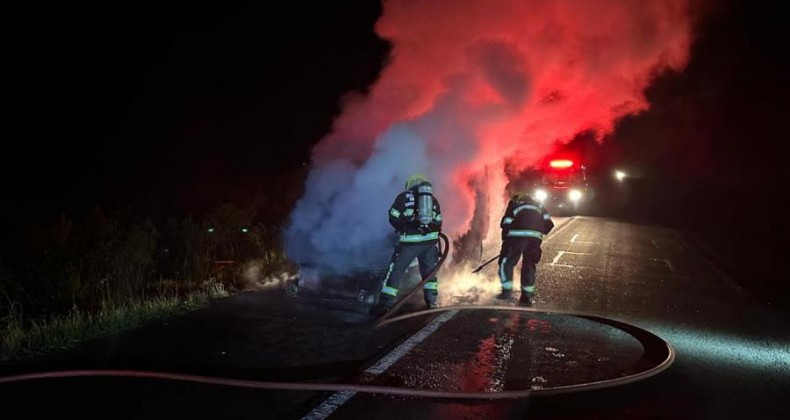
[561, 164]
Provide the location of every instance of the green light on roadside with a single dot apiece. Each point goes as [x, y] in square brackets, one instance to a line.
[210, 230]
[244, 230]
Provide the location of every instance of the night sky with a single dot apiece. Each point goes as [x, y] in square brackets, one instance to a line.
[172, 108]
[186, 104]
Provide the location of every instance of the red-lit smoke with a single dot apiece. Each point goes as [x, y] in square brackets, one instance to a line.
[479, 82]
[550, 68]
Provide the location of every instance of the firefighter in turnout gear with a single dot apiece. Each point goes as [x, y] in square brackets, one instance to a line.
[417, 218]
[524, 225]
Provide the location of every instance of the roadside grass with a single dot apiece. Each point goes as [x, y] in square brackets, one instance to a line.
[21, 338]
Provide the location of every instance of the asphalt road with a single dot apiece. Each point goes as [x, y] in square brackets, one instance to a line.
[732, 352]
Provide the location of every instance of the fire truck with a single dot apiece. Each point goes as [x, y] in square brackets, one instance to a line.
[562, 185]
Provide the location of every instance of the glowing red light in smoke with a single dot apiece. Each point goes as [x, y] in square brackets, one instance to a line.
[561, 164]
[473, 91]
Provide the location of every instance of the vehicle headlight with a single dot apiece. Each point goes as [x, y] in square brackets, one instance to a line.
[541, 195]
[575, 195]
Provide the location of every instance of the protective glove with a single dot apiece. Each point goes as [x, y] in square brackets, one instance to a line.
[435, 227]
[423, 229]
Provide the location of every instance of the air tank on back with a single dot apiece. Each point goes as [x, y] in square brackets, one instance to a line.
[425, 203]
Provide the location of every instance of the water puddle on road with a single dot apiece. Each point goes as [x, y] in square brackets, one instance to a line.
[488, 351]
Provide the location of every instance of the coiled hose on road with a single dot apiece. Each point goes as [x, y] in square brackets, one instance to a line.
[654, 346]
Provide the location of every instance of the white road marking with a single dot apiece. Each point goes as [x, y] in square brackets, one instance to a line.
[557, 258]
[580, 267]
[561, 227]
[575, 241]
[561, 253]
[326, 408]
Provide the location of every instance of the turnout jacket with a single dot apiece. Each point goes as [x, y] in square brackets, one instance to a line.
[525, 218]
[404, 218]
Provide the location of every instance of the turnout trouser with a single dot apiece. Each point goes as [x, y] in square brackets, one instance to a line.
[427, 254]
[514, 249]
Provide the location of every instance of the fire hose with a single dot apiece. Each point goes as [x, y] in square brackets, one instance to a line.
[655, 348]
[659, 350]
[442, 258]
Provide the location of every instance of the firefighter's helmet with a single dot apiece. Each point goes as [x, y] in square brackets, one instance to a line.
[415, 180]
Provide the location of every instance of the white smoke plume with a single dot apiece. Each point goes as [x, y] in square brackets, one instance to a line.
[470, 85]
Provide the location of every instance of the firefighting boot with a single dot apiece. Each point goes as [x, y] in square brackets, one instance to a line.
[382, 306]
[378, 309]
[526, 299]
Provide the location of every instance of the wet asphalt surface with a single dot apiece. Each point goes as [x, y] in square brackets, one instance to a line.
[732, 361]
